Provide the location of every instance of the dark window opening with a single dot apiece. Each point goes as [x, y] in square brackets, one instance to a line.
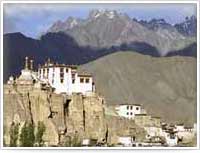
[131, 107]
[137, 108]
[73, 75]
[127, 107]
[61, 70]
[61, 75]
[127, 113]
[73, 81]
[66, 70]
[61, 80]
[87, 80]
[81, 80]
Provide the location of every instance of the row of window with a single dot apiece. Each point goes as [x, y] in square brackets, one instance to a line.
[128, 113]
[82, 80]
[87, 80]
[61, 70]
[131, 107]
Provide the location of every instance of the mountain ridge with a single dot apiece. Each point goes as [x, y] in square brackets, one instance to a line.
[79, 41]
[107, 28]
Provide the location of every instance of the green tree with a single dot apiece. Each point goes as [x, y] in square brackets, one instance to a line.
[14, 132]
[73, 141]
[40, 132]
[27, 137]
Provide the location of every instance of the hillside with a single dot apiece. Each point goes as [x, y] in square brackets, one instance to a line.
[165, 86]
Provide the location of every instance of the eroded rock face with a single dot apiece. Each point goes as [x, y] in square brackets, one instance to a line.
[62, 115]
[65, 116]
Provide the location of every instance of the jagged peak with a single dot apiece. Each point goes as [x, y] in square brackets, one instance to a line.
[104, 12]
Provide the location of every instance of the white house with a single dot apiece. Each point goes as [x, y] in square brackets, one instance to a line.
[65, 78]
[126, 141]
[171, 139]
[128, 110]
[180, 128]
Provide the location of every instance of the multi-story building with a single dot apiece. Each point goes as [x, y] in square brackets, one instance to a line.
[62, 78]
[66, 78]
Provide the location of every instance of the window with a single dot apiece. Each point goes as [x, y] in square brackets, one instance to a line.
[131, 113]
[61, 75]
[66, 70]
[47, 73]
[53, 75]
[43, 71]
[127, 113]
[53, 81]
[131, 107]
[127, 107]
[73, 75]
[54, 69]
[61, 80]
[40, 71]
[61, 70]
[137, 108]
[81, 80]
[87, 80]
[73, 81]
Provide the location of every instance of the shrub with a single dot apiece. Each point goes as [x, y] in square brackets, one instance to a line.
[27, 137]
[14, 132]
[40, 132]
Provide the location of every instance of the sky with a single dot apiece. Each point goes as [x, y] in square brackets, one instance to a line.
[34, 19]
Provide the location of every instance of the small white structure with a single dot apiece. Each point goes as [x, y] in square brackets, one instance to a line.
[11, 80]
[27, 76]
[85, 142]
[180, 128]
[171, 139]
[128, 110]
[65, 78]
[126, 141]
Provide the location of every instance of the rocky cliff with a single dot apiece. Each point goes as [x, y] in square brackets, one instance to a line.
[64, 116]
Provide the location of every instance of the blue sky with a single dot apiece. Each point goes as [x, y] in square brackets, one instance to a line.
[33, 19]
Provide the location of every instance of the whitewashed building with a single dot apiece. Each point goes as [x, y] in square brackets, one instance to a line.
[128, 110]
[65, 78]
[126, 141]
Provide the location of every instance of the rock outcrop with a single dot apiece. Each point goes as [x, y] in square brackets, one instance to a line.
[64, 116]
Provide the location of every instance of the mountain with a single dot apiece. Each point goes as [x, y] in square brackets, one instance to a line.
[108, 28]
[66, 25]
[57, 46]
[188, 27]
[79, 41]
[164, 86]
